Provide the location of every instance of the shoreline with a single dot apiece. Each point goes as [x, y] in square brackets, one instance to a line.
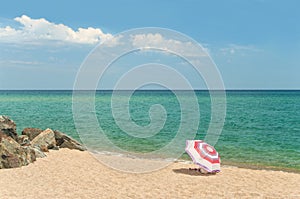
[261, 167]
[75, 174]
[223, 163]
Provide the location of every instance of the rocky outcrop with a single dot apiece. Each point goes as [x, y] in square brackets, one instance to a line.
[39, 153]
[17, 151]
[8, 127]
[64, 141]
[45, 139]
[23, 140]
[31, 132]
[12, 154]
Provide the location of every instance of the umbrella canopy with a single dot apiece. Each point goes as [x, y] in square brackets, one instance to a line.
[203, 155]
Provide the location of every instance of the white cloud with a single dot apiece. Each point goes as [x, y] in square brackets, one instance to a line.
[23, 62]
[234, 48]
[113, 41]
[38, 30]
[148, 41]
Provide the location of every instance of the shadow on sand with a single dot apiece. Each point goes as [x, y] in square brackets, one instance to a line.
[191, 172]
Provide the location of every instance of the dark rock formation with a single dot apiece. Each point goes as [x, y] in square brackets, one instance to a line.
[17, 151]
[45, 139]
[12, 154]
[64, 141]
[38, 152]
[44, 148]
[31, 132]
[8, 127]
[23, 140]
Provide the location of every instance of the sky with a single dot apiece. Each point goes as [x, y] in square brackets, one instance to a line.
[254, 43]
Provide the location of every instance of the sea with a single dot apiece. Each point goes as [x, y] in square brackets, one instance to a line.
[261, 128]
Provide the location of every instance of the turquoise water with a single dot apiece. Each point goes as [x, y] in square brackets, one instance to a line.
[262, 128]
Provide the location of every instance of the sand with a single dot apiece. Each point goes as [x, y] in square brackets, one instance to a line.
[74, 174]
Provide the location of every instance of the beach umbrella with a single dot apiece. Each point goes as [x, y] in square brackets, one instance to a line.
[203, 155]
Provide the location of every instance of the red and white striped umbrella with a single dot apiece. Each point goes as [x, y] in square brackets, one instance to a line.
[203, 155]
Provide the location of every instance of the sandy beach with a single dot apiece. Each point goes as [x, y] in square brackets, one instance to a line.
[74, 174]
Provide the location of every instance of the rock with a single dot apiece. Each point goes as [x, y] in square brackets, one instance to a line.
[44, 139]
[12, 154]
[23, 140]
[72, 145]
[8, 127]
[64, 141]
[7, 141]
[44, 148]
[17, 151]
[31, 132]
[55, 148]
[38, 152]
[30, 154]
[59, 137]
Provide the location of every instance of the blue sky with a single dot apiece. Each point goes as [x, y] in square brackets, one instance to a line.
[254, 43]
